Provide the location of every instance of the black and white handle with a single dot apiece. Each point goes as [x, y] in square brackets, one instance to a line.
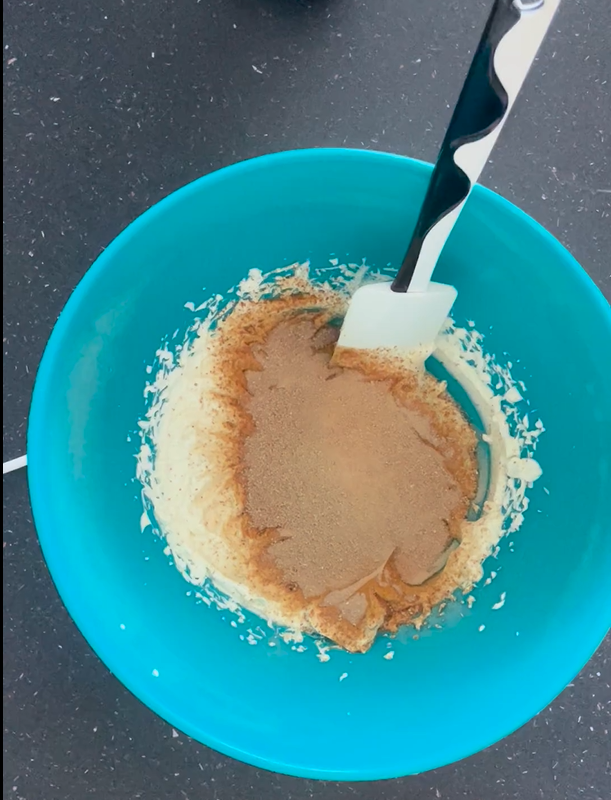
[506, 51]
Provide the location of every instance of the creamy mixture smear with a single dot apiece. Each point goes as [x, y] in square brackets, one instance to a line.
[331, 491]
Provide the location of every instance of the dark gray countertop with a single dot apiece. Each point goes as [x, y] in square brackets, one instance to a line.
[110, 105]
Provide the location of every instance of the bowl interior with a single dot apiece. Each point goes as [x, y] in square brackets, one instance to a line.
[452, 691]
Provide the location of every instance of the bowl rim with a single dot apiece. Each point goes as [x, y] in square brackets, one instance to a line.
[37, 484]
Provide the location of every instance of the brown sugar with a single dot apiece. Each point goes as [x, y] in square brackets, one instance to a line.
[324, 489]
[359, 475]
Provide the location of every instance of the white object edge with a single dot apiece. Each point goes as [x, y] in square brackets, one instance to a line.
[14, 464]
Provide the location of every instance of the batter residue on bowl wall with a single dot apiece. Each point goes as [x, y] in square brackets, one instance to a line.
[328, 494]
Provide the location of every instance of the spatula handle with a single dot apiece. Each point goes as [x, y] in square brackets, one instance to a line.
[507, 49]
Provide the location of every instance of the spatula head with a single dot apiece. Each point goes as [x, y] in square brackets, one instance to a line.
[378, 317]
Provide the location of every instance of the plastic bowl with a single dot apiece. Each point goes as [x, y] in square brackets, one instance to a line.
[449, 693]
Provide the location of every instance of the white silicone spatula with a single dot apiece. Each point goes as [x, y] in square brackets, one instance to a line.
[409, 312]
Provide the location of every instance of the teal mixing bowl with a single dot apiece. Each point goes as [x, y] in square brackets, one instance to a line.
[445, 695]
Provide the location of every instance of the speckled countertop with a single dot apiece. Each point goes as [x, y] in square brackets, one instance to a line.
[110, 105]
